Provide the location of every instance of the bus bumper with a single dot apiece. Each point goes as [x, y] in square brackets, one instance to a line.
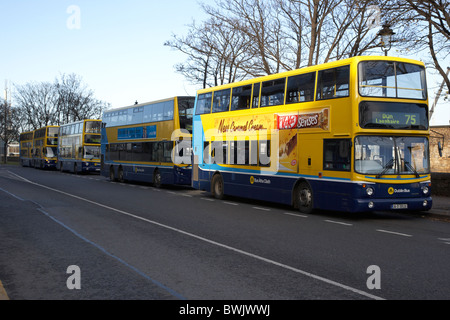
[409, 204]
[91, 167]
[50, 164]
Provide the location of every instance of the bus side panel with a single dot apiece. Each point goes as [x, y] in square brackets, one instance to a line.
[270, 188]
[329, 195]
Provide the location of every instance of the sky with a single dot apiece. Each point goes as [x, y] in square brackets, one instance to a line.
[116, 46]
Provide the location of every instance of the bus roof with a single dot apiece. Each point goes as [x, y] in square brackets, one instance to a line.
[352, 60]
[146, 103]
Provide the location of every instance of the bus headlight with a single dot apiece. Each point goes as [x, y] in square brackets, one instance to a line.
[425, 190]
[369, 191]
[371, 205]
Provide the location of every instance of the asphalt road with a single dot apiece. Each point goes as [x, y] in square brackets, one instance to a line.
[133, 241]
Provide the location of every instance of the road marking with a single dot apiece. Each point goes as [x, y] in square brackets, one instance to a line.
[12, 195]
[295, 215]
[207, 199]
[446, 240]
[338, 222]
[263, 209]
[192, 235]
[159, 284]
[231, 203]
[396, 233]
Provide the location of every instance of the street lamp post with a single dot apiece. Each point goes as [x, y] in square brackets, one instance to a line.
[386, 34]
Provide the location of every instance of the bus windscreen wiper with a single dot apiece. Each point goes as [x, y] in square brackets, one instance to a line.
[386, 168]
[410, 167]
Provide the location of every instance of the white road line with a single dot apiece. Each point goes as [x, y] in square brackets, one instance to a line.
[295, 215]
[245, 253]
[396, 233]
[445, 240]
[263, 209]
[231, 203]
[207, 199]
[338, 222]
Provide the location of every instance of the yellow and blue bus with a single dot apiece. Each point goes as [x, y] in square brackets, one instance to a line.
[45, 145]
[149, 142]
[79, 146]
[26, 148]
[350, 135]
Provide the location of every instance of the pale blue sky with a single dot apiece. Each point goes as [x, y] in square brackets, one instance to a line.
[118, 48]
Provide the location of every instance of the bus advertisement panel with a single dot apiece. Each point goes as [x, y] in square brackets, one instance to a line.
[350, 135]
[79, 146]
[149, 142]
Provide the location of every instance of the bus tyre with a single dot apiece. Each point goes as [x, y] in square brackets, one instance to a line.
[120, 175]
[304, 198]
[217, 187]
[112, 177]
[157, 179]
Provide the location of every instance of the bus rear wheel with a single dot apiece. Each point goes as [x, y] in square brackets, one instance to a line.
[157, 179]
[304, 199]
[120, 175]
[217, 189]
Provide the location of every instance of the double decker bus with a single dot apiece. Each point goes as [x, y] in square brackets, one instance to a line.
[79, 146]
[26, 148]
[45, 145]
[350, 135]
[149, 142]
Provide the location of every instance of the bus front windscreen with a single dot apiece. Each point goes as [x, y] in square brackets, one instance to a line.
[91, 152]
[384, 155]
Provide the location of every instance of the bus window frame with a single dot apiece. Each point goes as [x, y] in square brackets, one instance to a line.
[423, 80]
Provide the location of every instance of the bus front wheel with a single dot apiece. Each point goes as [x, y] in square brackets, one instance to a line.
[112, 176]
[217, 189]
[304, 199]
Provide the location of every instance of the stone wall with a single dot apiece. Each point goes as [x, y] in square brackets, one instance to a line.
[440, 134]
[440, 184]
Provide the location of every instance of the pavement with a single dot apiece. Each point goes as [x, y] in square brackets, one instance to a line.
[441, 206]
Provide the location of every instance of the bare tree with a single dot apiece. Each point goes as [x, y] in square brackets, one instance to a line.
[256, 37]
[75, 101]
[37, 102]
[423, 26]
[215, 53]
[66, 100]
[9, 125]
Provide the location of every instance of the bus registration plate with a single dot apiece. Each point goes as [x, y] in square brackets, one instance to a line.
[399, 206]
